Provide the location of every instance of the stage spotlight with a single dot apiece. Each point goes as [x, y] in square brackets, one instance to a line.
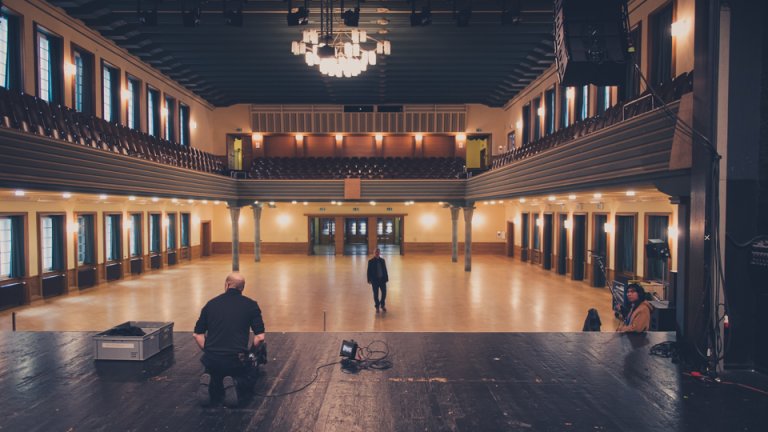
[192, 18]
[348, 349]
[423, 18]
[510, 13]
[351, 17]
[234, 18]
[297, 16]
[147, 17]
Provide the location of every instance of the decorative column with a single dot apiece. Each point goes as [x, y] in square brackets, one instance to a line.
[455, 233]
[256, 232]
[234, 213]
[468, 211]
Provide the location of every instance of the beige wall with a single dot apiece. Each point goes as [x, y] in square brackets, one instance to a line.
[229, 120]
[425, 223]
[33, 205]
[75, 32]
[484, 119]
[591, 206]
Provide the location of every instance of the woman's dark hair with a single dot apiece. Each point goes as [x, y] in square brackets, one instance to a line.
[639, 290]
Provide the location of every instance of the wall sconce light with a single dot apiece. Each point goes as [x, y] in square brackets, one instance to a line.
[257, 139]
[379, 138]
[630, 193]
[672, 232]
[73, 227]
[516, 220]
[299, 139]
[284, 219]
[522, 200]
[164, 112]
[608, 227]
[680, 27]
[193, 125]
[125, 95]
[570, 93]
[571, 197]
[66, 195]
[339, 139]
[540, 111]
[567, 224]
[166, 222]
[419, 138]
[70, 69]
[551, 198]
[519, 125]
[597, 195]
[461, 139]
[538, 222]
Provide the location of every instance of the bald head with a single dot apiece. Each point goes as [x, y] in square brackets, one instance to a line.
[235, 280]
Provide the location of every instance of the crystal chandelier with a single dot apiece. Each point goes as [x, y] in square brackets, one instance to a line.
[339, 53]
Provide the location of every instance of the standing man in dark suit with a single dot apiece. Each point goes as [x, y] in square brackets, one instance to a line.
[378, 278]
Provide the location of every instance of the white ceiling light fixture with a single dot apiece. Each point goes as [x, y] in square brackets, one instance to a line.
[342, 52]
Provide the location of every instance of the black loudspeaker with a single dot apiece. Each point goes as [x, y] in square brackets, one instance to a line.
[662, 316]
[591, 42]
[657, 248]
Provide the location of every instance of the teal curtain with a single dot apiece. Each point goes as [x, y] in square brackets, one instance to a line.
[136, 235]
[87, 221]
[57, 238]
[171, 232]
[184, 230]
[17, 247]
[115, 246]
[154, 243]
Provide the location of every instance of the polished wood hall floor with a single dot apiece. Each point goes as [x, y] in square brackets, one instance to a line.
[426, 293]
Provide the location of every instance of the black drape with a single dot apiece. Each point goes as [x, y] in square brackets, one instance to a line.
[631, 87]
[564, 111]
[57, 242]
[526, 231]
[17, 247]
[88, 239]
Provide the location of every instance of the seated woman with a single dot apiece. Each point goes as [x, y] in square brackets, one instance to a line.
[639, 317]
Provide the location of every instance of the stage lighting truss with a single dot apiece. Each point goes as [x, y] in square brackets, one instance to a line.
[341, 52]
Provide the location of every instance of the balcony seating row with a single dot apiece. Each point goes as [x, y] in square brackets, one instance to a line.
[668, 92]
[30, 114]
[358, 167]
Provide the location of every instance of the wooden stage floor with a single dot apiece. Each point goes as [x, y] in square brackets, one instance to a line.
[438, 382]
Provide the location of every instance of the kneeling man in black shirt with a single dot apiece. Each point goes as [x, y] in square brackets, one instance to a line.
[222, 332]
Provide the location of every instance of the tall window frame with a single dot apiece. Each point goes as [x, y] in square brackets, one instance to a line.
[110, 92]
[133, 102]
[185, 239]
[171, 243]
[184, 125]
[169, 112]
[10, 50]
[526, 118]
[536, 117]
[135, 244]
[631, 87]
[155, 233]
[85, 239]
[49, 65]
[549, 111]
[657, 269]
[153, 112]
[565, 107]
[14, 260]
[51, 242]
[113, 237]
[82, 81]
